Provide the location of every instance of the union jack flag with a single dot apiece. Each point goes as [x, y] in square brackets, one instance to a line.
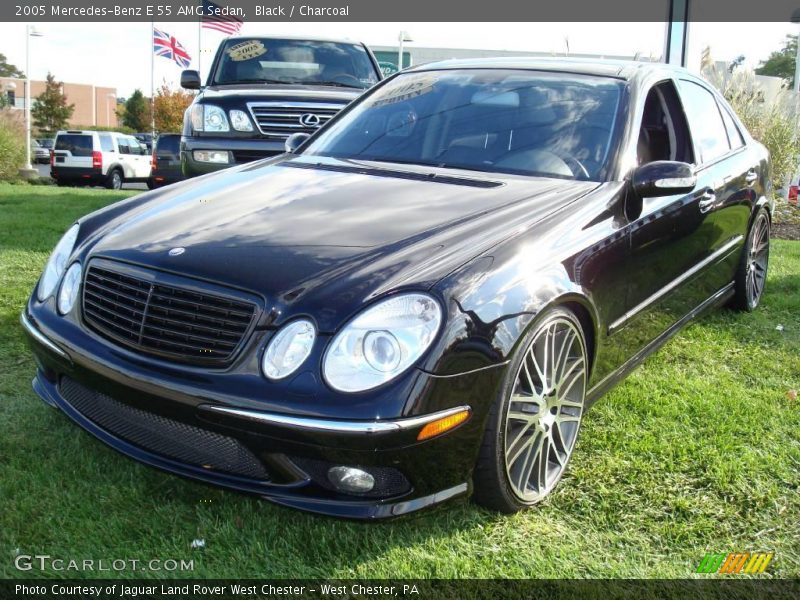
[167, 46]
[211, 19]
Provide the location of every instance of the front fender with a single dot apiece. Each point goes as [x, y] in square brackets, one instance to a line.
[490, 309]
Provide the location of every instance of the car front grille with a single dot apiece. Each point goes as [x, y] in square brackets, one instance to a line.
[175, 322]
[163, 436]
[279, 120]
[246, 156]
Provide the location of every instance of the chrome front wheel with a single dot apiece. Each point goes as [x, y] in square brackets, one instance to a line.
[534, 422]
[544, 409]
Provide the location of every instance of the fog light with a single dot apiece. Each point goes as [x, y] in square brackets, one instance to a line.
[212, 156]
[350, 479]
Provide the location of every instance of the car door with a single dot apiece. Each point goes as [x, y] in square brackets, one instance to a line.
[125, 159]
[666, 237]
[726, 173]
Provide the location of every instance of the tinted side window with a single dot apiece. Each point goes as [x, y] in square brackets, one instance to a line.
[106, 143]
[708, 130]
[734, 135]
[124, 145]
[135, 147]
[77, 144]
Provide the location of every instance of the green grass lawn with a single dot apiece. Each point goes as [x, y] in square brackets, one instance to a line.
[698, 451]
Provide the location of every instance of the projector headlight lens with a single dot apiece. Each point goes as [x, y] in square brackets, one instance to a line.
[382, 342]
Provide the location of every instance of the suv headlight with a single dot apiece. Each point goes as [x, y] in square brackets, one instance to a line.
[240, 121]
[56, 264]
[208, 117]
[382, 342]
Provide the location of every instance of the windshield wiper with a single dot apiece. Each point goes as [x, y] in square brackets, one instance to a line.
[256, 81]
[336, 84]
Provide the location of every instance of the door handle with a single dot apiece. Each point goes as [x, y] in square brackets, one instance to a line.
[707, 201]
[751, 177]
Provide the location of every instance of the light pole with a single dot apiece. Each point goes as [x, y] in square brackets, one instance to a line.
[403, 36]
[108, 117]
[30, 31]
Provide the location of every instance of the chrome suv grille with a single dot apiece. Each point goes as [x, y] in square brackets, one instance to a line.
[175, 322]
[279, 120]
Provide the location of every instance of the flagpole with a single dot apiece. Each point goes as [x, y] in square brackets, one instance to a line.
[200, 46]
[152, 80]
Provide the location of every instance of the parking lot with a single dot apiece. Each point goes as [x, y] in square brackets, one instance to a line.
[44, 171]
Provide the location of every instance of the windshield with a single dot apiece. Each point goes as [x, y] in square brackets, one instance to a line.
[264, 60]
[511, 121]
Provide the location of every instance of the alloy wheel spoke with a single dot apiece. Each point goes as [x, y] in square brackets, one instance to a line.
[545, 409]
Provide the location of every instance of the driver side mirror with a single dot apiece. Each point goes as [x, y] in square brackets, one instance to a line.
[663, 178]
[294, 141]
[190, 80]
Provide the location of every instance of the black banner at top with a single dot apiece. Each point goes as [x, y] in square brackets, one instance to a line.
[400, 10]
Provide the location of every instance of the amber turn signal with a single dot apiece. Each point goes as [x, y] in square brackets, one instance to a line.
[440, 426]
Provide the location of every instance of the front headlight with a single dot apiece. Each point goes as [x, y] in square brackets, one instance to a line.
[382, 342]
[69, 288]
[288, 349]
[240, 121]
[208, 117]
[56, 264]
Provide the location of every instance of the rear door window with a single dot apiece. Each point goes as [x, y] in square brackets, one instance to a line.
[705, 120]
[75, 143]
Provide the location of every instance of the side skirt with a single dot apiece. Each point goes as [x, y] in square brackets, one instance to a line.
[612, 379]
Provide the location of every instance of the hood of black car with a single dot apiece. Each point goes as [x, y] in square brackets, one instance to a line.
[320, 237]
[255, 92]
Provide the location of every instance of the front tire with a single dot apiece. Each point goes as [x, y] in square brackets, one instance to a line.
[751, 275]
[534, 422]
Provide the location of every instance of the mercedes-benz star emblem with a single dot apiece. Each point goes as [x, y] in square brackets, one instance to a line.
[177, 251]
[309, 120]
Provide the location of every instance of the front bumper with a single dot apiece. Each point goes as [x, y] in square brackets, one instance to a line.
[290, 447]
[240, 151]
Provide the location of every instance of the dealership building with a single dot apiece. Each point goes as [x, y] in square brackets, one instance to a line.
[95, 106]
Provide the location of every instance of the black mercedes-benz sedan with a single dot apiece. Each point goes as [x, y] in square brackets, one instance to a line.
[420, 301]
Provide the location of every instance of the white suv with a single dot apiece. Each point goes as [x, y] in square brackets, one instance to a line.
[98, 158]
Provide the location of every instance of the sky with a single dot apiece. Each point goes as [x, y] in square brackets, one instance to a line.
[118, 54]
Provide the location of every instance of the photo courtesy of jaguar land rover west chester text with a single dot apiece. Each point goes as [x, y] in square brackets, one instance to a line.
[418, 302]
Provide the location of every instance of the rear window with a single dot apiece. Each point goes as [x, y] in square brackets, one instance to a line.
[77, 144]
[168, 143]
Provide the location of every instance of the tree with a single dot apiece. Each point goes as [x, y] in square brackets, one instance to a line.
[169, 108]
[9, 70]
[781, 63]
[137, 112]
[50, 111]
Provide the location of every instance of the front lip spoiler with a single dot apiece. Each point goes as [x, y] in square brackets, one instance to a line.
[41, 338]
[312, 424]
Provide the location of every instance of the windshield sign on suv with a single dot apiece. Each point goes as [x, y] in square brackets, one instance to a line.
[294, 62]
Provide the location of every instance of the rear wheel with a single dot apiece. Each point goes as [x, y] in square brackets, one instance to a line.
[751, 276]
[114, 180]
[534, 422]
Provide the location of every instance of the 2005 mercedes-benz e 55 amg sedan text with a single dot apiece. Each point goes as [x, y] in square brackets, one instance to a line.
[418, 302]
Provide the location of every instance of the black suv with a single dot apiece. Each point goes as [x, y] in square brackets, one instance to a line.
[260, 90]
